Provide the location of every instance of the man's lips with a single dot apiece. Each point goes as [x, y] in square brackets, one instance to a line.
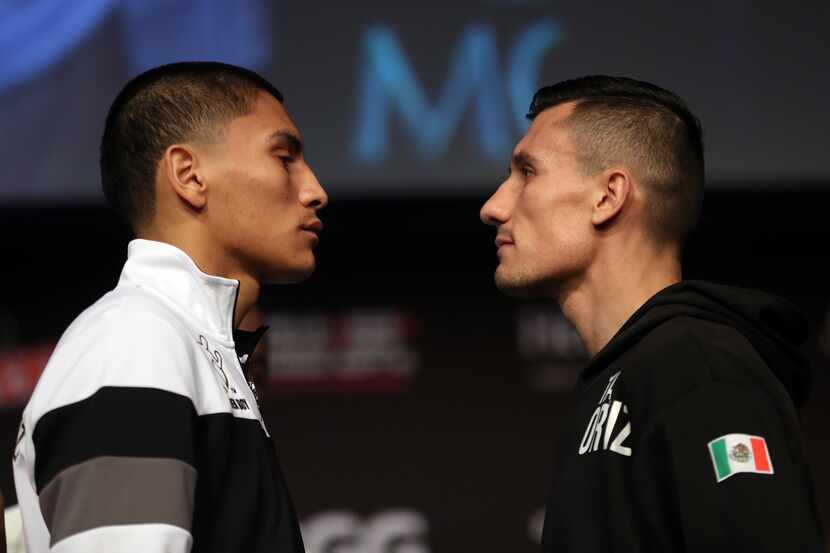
[315, 226]
[502, 240]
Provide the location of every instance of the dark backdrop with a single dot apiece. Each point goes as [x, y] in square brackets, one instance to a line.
[458, 456]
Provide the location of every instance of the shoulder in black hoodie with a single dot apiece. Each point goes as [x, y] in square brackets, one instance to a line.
[686, 436]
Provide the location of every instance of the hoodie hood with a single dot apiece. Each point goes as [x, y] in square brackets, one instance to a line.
[774, 327]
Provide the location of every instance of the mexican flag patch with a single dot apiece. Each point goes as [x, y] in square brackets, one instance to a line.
[734, 453]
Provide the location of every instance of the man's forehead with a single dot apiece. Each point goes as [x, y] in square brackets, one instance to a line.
[551, 122]
[556, 114]
[271, 112]
[548, 132]
[267, 120]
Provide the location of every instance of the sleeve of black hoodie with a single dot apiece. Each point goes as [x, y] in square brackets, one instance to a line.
[745, 511]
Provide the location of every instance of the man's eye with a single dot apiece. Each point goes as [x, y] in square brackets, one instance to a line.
[527, 171]
[286, 160]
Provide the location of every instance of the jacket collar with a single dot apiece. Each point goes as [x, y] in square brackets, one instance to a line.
[207, 301]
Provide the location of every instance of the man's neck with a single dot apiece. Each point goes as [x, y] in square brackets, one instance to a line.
[211, 260]
[609, 293]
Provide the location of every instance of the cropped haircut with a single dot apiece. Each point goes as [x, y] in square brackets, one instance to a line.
[617, 120]
[167, 105]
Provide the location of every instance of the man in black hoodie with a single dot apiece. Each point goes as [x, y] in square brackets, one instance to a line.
[685, 435]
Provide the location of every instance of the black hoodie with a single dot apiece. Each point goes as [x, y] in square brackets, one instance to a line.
[685, 435]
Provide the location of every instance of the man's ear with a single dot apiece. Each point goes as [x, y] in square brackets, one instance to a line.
[179, 165]
[613, 193]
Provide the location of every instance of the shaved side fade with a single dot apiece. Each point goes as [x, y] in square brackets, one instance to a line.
[166, 105]
[617, 120]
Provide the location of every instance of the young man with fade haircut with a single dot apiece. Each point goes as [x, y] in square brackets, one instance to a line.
[685, 434]
[143, 433]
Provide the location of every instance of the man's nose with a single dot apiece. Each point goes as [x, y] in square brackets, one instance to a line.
[496, 210]
[312, 194]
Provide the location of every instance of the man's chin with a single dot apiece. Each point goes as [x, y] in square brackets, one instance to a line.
[292, 275]
[518, 286]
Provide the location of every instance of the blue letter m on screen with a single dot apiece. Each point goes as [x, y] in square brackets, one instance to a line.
[389, 86]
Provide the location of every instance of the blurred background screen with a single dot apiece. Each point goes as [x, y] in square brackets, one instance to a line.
[416, 98]
[413, 406]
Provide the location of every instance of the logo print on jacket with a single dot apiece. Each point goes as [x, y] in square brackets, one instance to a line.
[603, 423]
[18, 444]
[216, 360]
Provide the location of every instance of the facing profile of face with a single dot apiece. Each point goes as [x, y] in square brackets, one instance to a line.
[262, 196]
[542, 211]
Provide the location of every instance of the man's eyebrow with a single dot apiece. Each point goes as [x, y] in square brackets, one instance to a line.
[524, 158]
[288, 140]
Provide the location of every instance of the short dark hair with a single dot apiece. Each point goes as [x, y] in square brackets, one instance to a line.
[165, 105]
[617, 119]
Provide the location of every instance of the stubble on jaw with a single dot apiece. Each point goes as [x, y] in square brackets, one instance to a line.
[517, 284]
[524, 284]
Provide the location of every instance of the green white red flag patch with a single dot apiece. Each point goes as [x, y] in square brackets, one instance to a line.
[734, 453]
